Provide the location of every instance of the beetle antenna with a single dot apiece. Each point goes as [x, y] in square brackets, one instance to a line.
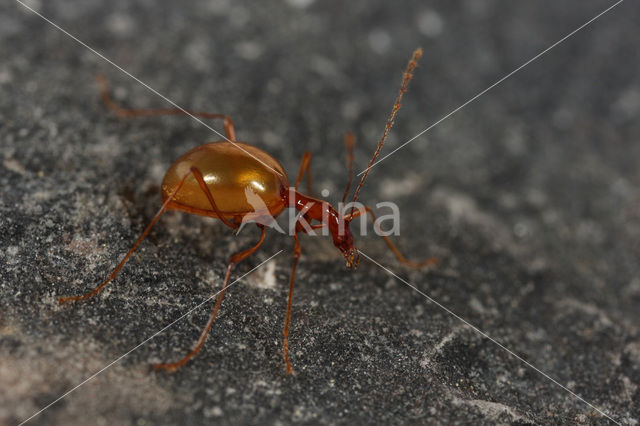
[349, 141]
[408, 74]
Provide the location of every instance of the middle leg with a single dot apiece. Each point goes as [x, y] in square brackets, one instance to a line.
[171, 367]
[305, 167]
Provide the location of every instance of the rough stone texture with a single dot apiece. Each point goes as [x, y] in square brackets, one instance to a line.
[530, 196]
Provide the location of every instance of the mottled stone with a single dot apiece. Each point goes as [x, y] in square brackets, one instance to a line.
[530, 196]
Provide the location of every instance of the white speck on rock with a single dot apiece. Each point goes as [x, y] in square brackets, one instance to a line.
[33, 4]
[351, 110]
[270, 138]
[628, 104]
[632, 350]
[426, 360]
[197, 53]
[521, 230]
[397, 188]
[120, 24]
[324, 66]
[270, 275]
[477, 305]
[14, 166]
[379, 41]
[248, 50]
[514, 140]
[265, 277]
[300, 4]
[632, 290]
[563, 118]
[492, 410]
[463, 208]
[567, 304]
[430, 23]
[12, 251]
[5, 76]
[218, 7]
[213, 412]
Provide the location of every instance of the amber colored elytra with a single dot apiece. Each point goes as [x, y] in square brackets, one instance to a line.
[211, 180]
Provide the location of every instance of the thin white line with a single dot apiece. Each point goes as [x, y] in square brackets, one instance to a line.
[483, 334]
[146, 85]
[493, 85]
[143, 342]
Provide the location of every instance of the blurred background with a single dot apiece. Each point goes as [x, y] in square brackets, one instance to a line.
[529, 196]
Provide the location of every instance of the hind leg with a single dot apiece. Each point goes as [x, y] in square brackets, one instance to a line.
[114, 273]
[198, 176]
[130, 112]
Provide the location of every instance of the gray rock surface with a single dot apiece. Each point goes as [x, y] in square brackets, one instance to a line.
[530, 196]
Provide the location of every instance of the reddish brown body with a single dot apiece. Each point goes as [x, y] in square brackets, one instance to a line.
[237, 182]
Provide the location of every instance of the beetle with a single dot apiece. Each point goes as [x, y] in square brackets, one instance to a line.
[216, 179]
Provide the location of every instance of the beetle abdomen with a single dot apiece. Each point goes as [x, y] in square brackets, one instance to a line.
[240, 183]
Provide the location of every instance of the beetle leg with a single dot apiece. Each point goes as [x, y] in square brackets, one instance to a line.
[171, 367]
[155, 219]
[114, 273]
[129, 112]
[390, 244]
[203, 185]
[287, 321]
[305, 166]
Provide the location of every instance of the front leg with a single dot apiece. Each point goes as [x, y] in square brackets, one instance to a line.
[401, 258]
[287, 321]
